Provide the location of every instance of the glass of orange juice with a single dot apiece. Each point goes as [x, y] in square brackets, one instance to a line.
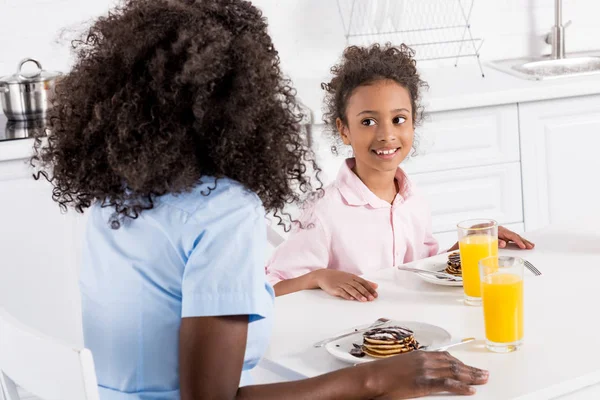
[477, 239]
[502, 293]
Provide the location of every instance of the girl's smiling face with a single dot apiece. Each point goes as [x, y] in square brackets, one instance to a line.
[379, 125]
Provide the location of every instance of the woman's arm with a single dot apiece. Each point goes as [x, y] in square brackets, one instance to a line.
[211, 355]
[211, 352]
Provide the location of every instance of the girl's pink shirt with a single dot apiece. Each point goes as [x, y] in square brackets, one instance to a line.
[351, 229]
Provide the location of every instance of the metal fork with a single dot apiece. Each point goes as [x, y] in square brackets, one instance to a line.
[533, 269]
[435, 273]
[379, 322]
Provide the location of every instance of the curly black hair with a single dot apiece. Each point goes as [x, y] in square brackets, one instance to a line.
[166, 92]
[364, 65]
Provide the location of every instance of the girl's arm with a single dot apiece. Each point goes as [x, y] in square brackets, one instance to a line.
[336, 283]
[295, 263]
[303, 282]
[505, 236]
[300, 263]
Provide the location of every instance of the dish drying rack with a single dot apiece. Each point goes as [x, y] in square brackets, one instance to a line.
[434, 29]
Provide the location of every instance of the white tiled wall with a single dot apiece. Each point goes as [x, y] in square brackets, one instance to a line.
[308, 33]
[42, 29]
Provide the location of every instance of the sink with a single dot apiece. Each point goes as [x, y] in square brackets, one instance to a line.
[557, 65]
[548, 68]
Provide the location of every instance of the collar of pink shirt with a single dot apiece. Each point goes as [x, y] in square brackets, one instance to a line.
[356, 193]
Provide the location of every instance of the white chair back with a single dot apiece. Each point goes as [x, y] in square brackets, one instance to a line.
[273, 237]
[43, 366]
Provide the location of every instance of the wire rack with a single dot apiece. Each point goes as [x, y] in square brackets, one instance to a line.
[434, 29]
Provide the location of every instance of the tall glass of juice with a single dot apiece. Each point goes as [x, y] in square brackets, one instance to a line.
[502, 293]
[477, 239]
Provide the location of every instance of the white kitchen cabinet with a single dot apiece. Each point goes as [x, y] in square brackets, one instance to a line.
[466, 138]
[38, 255]
[560, 142]
[492, 191]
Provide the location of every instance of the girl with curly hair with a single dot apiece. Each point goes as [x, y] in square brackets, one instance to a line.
[372, 216]
[176, 131]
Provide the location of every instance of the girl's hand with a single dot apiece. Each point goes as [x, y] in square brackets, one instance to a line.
[505, 236]
[345, 285]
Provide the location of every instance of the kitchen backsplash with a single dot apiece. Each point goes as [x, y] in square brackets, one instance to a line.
[307, 33]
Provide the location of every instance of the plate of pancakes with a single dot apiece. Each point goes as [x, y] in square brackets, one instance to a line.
[393, 338]
[445, 262]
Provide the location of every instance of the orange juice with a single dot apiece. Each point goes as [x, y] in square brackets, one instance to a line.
[503, 307]
[472, 249]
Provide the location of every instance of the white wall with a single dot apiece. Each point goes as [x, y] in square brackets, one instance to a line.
[308, 33]
[42, 29]
[310, 36]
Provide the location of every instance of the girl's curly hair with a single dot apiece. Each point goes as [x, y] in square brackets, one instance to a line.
[364, 65]
[165, 92]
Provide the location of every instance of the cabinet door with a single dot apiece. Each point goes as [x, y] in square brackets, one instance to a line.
[466, 138]
[39, 248]
[492, 191]
[560, 142]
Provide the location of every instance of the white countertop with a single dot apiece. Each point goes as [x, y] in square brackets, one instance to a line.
[462, 87]
[561, 350]
[16, 149]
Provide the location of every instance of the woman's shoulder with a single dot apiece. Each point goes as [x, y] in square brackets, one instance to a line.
[214, 196]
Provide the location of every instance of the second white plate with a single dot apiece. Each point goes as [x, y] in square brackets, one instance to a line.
[438, 264]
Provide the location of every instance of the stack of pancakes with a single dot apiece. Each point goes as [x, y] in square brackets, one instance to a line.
[453, 265]
[388, 341]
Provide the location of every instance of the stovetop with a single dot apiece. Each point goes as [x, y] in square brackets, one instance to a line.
[16, 130]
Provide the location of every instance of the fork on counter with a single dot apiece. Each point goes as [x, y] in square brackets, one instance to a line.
[377, 323]
[533, 269]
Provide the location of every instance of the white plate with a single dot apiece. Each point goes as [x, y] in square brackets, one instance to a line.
[438, 264]
[425, 334]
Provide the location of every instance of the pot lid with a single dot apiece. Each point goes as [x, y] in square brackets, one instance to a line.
[34, 76]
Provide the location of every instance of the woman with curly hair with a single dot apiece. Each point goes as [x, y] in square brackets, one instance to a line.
[372, 216]
[177, 132]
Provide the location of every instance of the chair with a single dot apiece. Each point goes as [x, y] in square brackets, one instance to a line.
[43, 366]
[273, 237]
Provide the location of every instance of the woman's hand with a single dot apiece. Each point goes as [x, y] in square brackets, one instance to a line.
[506, 236]
[422, 373]
[345, 285]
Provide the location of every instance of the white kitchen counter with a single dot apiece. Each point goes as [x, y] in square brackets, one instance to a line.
[461, 87]
[16, 149]
[562, 346]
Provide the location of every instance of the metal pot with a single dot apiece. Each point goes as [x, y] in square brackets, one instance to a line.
[26, 96]
[23, 129]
